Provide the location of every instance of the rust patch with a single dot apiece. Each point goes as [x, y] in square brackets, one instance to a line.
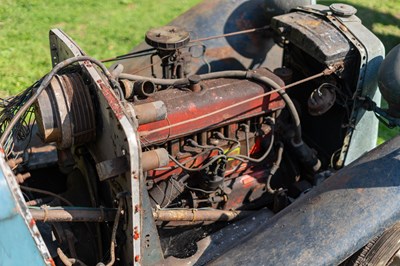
[343, 28]
[220, 52]
[360, 190]
[32, 222]
[309, 22]
[112, 100]
[248, 181]
[136, 233]
[51, 261]
[137, 208]
[243, 24]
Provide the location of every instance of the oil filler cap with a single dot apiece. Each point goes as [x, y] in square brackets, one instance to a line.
[167, 38]
[343, 10]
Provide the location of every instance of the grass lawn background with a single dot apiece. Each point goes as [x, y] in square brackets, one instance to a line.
[108, 28]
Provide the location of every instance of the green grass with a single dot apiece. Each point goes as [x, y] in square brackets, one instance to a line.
[102, 28]
[108, 28]
[382, 17]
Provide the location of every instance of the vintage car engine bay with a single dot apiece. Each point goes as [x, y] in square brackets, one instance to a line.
[148, 161]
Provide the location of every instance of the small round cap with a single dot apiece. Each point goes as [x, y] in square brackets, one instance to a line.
[167, 38]
[343, 10]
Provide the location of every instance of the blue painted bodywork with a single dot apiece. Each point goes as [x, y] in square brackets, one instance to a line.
[17, 243]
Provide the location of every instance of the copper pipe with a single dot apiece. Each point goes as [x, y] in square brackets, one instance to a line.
[195, 215]
[154, 159]
[72, 214]
[150, 112]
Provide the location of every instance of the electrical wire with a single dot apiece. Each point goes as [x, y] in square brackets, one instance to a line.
[208, 147]
[274, 168]
[214, 159]
[68, 261]
[264, 156]
[130, 55]
[231, 34]
[9, 107]
[199, 189]
[44, 83]
[254, 160]
[114, 234]
[222, 137]
[150, 65]
[45, 192]
[150, 51]
[184, 162]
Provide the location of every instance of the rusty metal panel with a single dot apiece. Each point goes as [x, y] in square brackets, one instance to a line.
[313, 35]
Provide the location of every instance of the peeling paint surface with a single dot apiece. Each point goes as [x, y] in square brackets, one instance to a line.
[17, 244]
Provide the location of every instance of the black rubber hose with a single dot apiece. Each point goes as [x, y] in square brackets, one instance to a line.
[214, 159]
[274, 168]
[293, 112]
[185, 81]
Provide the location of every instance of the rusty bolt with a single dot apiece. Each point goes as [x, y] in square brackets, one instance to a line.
[32, 222]
[137, 208]
[51, 261]
[22, 177]
[281, 29]
[135, 233]
[343, 28]
[14, 162]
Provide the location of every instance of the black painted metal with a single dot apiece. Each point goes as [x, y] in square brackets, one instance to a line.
[389, 81]
[310, 33]
[334, 220]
